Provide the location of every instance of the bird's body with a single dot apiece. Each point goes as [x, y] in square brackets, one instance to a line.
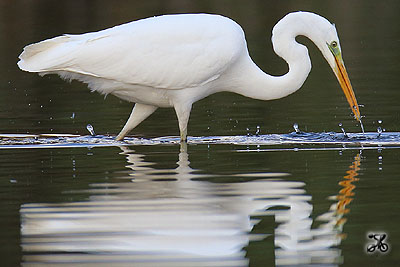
[176, 60]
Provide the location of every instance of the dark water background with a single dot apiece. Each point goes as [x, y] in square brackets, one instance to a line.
[158, 205]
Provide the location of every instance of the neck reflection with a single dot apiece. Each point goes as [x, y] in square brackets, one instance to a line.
[298, 243]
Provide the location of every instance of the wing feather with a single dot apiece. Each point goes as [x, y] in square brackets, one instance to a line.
[169, 52]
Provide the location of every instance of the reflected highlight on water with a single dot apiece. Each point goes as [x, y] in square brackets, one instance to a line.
[176, 217]
[15, 141]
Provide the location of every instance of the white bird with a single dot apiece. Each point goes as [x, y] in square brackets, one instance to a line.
[176, 60]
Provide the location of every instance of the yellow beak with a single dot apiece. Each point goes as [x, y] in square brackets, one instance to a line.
[344, 81]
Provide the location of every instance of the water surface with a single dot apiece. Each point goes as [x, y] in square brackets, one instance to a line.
[160, 205]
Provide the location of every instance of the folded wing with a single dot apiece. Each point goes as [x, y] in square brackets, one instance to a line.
[169, 52]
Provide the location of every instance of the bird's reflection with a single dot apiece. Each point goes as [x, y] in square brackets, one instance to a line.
[175, 217]
[297, 243]
[346, 194]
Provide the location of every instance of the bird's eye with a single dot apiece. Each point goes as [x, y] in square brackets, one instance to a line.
[334, 44]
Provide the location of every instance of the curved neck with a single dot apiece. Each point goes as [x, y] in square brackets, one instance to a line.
[259, 85]
[262, 86]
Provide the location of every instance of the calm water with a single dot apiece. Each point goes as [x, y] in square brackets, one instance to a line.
[245, 191]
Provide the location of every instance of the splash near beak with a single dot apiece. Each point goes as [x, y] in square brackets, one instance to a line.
[344, 82]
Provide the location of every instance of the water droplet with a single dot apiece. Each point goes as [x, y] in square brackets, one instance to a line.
[341, 127]
[380, 158]
[90, 128]
[379, 130]
[296, 127]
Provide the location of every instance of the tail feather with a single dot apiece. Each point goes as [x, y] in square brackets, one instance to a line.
[39, 57]
[60, 55]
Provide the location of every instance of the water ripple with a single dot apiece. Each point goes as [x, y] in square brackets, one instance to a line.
[296, 138]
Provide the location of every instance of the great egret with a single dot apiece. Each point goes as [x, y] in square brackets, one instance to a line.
[176, 60]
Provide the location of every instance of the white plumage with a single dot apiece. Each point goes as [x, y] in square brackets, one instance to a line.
[176, 60]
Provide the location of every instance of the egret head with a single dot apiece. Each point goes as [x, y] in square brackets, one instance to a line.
[328, 42]
[342, 76]
[324, 35]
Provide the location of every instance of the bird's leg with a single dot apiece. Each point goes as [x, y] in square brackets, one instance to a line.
[183, 113]
[139, 113]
